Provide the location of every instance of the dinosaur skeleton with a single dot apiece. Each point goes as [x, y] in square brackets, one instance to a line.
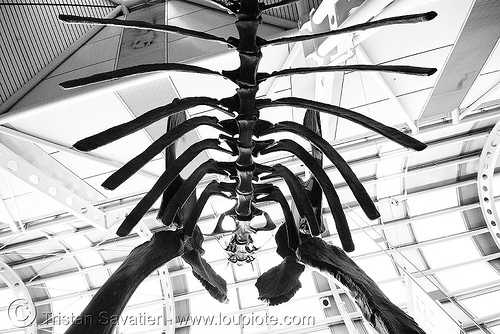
[249, 182]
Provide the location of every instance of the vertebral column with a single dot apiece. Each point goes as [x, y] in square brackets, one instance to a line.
[248, 22]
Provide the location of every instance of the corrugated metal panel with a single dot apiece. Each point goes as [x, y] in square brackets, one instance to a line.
[290, 12]
[31, 36]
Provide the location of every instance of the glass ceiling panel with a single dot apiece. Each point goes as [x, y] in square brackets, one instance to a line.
[225, 271]
[483, 305]
[389, 187]
[396, 292]
[426, 180]
[147, 291]
[205, 306]
[389, 166]
[439, 226]
[89, 259]
[432, 201]
[450, 252]
[213, 250]
[63, 312]
[411, 260]
[466, 276]
[245, 271]
[248, 296]
[193, 283]
[378, 268]
[305, 310]
[365, 243]
[97, 278]
[357, 218]
[6, 296]
[308, 286]
[257, 325]
[59, 286]
[398, 234]
[268, 261]
[495, 329]
[390, 212]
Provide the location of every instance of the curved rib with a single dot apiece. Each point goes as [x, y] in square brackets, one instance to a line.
[299, 195]
[213, 188]
[134, 165]
[414, 18]
[305, 209]
[136, 70]
[386, 131]
[409, 70]
[144, 25]
[292, 230]
[189, 185]
[163, 182]
[325, 183]
[122, 130]
[352, 180]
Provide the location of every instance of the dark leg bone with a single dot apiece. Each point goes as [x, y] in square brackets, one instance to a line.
[215, 284]
[100, 315]
[377, 309]
[280, 283]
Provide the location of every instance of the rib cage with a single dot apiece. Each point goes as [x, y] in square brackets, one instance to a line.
[248, 186]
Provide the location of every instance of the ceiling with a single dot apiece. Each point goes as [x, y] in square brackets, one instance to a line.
[57, 224]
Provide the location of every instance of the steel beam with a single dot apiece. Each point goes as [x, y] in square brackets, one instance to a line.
[13, 165]
[168, 299]
[485, 184]
[59, 147]
[342, 308]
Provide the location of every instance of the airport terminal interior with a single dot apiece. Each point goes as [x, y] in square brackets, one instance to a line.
[434, 251]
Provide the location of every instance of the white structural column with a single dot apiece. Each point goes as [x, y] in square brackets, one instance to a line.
[12, 165]
[344, 313]
[21, 310]
[485, 183]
